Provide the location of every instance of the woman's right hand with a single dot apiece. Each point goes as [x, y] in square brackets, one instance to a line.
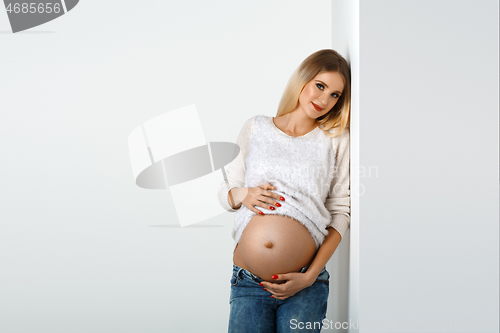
[260, 196]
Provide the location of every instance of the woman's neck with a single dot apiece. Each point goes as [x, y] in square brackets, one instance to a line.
[296, 123]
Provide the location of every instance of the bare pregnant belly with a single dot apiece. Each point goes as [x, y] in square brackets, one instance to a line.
[274, 244]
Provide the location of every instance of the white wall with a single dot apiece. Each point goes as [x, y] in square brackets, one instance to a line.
[343, 304]
[82, 248]
[429, 127]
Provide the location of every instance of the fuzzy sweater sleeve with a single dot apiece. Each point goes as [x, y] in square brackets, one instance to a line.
[235, 171]
[338, 201]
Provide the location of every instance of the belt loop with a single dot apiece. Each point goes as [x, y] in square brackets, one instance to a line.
[239, 273]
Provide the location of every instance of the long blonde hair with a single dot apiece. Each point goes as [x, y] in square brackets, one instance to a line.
[327, 60]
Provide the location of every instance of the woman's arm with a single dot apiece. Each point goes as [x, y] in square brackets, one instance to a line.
[339, 205]
[235, 171]
[235, 197]
[325, 252]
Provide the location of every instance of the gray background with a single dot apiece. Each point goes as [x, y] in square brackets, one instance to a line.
[82, 249]
[429, 125]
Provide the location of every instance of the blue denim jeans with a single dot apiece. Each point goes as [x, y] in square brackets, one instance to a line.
[252, 309]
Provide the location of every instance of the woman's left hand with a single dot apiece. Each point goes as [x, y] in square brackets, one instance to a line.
[295, 283]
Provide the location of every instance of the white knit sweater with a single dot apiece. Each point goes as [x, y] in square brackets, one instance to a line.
[310, 171]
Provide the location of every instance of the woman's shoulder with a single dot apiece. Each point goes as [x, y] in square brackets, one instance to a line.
[345, 131]
[252, 119]
[250, 122]
[342, 138]
[259, 117]
[249, 125]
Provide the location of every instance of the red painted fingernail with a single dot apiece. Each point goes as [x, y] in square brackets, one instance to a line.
[261, 213]
[274, 277]
[264, 289]
[260, 284]
[271, 208]
[272, 296]
[278, 204]
[281, 198]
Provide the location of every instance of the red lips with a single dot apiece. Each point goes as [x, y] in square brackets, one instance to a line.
[317, 107]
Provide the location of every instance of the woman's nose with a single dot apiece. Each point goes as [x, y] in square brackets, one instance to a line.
[323, 99]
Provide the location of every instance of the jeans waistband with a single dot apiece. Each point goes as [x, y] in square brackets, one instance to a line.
[239, 270]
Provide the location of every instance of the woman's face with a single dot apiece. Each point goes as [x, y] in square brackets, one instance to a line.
[321, 94]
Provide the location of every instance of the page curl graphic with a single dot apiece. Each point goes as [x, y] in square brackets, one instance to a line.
[170, 151]
[26, 14]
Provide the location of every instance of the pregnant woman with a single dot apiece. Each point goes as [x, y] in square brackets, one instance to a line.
[289, 187]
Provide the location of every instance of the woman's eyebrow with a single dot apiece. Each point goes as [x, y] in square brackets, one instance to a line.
[323, 83]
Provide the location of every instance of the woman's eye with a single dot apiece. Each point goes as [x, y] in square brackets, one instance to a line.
[320, 86]
[335, 95]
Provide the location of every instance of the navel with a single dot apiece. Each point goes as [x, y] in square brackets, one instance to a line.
[268, 245]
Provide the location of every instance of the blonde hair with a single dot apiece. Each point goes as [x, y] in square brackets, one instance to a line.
[327, 60]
